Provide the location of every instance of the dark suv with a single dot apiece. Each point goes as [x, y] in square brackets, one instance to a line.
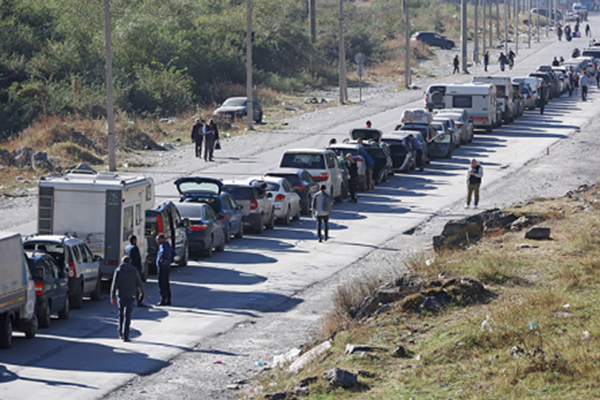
[51, 287]
[165, 218]
[433, 39]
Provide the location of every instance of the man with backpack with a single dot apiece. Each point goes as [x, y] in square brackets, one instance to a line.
[321, 207]
[197, 137]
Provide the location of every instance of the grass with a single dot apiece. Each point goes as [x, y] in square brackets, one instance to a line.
[543, 305]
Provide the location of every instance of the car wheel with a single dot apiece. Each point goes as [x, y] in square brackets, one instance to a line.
[339, 197]
[306, 207]
[385, 176]
[95, 295]
[221, 247]
[6, 330]
[228, 234]
[240, 233]
[76, 300]
[64, 313]
[271, 223]
[208, 252]
[31, 327]
[44, 316]
[448, 46]
[183, 261]
[297, 216]
[261, 227]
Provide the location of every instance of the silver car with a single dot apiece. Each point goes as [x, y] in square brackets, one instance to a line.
[463, 120]
[450, 128]
[236, 107]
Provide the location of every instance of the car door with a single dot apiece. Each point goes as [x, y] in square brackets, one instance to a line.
[60, 284]
[335, 173]
[180, 235]
[233, 209]
[86, 266]
[292, 195]
[216, 226]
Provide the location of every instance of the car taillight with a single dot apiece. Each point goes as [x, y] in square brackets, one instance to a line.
[197, 228]
[426, 96]
[300, 187]
[358, 159]
[223, 218]
[159, 222]
[112, 262]
[72, 271]
[324, 176]
[528, 96]
[506, 97]
[253, 205]
[39, 287]
[280, 197]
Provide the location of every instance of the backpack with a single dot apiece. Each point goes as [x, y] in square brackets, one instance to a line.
[327, 203]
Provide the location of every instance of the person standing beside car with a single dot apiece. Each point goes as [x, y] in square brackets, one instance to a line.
[164, 258]
[474, 183]
[370, 165]
[418, 150]
[123, 291]
[321, 207]
[136, 260]
[353, 181]
[197, 137]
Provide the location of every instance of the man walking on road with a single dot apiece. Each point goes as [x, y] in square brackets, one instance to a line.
[209, 141]
[197, 137]
[583, 82]
[473, 183]
[486, 60]
[542, 97]
[125, 286]
[353, 181]
[456, 63]
[136, 260]
[164, 259]
[321, 207]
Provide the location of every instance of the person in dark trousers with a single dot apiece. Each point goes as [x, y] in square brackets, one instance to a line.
[542, 99]
[197, 137]
[418, 150]
[164, 259]
[353, 181]
[136, 260]
[486, 60]
[456, 64]
[125, 286]
[473, 183]
[503, 61]
[511, 59]
[321, 207]
[588, 31]
[559, 32]
[583, 82]
[209, 142]
[213, 125]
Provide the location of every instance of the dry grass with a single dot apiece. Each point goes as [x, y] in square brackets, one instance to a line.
[544, 307]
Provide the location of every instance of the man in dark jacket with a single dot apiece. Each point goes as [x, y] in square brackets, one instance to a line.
[136, 260]
[542, 93]
[486, 60]
[353, 181]
[456, 64]
[209, 140]
[125, 285]
[197, 137]
[474, 182]
[164, 258]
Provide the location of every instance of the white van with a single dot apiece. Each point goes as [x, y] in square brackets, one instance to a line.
[103, 209]
[504, 94]
[479, 100]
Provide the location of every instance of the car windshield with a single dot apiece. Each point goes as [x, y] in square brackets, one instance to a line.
[240, 193]
[293, 178]
[235, 102]
[190, 210]
[198, 187]
[455, 117]
[438, 127]
[303, 161]
[500, 91]
[270, 186]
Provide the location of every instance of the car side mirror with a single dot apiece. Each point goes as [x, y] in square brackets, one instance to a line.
[220, 216]
[97, 258]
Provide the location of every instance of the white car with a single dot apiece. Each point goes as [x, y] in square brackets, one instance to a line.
[285, 200]
[322, 164]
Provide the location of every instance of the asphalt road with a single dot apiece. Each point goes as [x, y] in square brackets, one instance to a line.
[82, 358]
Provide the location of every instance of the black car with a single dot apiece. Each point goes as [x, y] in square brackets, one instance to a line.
[205, 231]
[303, 184]
[209, 191]
[378, 150]
[434, 39]
[51, 287]
[165, 218]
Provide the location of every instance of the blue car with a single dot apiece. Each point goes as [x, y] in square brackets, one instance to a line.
[208, 191]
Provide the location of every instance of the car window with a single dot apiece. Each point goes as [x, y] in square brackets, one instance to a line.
[306, 177]
[127, 222]
[166, 223]
[77, 254]
[437, 36]
[191, 210]
[40, 264]
[209, 214]
[84, 255]
[229, 202]
[303, 160]
[330, 161]
[240, 193]
[53, 266]
[287, 186]
[88, 253]
[175, 215]
[462, 101]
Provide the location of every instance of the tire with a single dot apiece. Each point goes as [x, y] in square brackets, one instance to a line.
[30, 328]
[95, 295]
[44, 316]
[208, 252]
[183, 261]
[287, 220]
[240, 233]
[385, 177]
[76, 300]
[228, 234]
[6, 330]
[261, 227]
[64, 312]
[221, 247]
[448, 46]
[297, 216]
[306, 207]
[271, 223]
[488, 129]
[338, 199]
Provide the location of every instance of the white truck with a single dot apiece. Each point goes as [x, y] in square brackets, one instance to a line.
[103, 209]
[17, 291]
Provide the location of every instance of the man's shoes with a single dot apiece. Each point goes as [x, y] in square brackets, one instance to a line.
[320, 240]
[142, 305]
[326, 237]
[466, 206]
[212, 159]
[120, 336]
[168, 303]
[162, 303]
[475, 207]
[126, 339]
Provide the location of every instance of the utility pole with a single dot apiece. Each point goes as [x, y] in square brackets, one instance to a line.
[547, 15]
[529, 25]
[538, 20]
[342, 56]
[483, 31]
[476, 38]
[110, 112]
[407, 78]
[312, 20]
[517, 26]
[506, 27]
[490, 24]
[463, 36]
[249, 102]
[498, 19]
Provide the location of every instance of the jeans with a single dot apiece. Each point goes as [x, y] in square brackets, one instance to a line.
[584, 92]
[420, 159]
[353, 186]
[209, 146]
[323, 220]
[198, 145]
[164, 286]
[125, 308]
[473, 189]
